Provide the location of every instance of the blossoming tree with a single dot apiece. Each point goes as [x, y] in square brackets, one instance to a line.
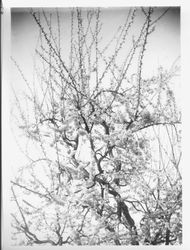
[102, 141]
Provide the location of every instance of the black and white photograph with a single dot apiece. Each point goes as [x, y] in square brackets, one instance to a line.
[96, 123]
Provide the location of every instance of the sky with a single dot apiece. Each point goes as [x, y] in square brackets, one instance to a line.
[163, 47]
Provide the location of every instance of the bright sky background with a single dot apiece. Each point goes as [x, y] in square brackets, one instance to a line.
[163, 47]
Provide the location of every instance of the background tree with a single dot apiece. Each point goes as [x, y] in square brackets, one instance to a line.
[102, 141]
